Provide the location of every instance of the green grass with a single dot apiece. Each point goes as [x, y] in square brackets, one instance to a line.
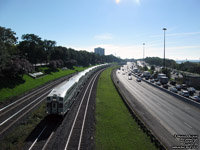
[16, 138]
[115, 127]
[31, 83]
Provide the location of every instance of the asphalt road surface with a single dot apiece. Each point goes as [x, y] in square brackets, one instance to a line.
[176, 116]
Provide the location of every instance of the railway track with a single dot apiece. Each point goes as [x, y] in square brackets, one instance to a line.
[69, 132]
[13, 112]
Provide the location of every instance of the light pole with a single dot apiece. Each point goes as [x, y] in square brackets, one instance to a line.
[143, 51]
[164, 47]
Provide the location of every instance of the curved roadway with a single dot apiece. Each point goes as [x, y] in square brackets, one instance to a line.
[177, 117]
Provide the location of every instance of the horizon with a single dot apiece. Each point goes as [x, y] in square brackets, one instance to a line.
[119, 26]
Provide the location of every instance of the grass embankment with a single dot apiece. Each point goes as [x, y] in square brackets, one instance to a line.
[115, 127]
[16, 139]
[30, 83]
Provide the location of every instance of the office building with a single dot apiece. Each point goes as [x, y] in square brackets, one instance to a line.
[99, 51]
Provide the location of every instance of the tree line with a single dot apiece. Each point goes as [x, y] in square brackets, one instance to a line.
[19, 57]
[170, 63]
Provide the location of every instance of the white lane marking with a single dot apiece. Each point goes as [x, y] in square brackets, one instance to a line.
[69, 137]
[170, 112]
[37, 138]
[187, 108]
[23, 109]
[187, 125]
[159, 104]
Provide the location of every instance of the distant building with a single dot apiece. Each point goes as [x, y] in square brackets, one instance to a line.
[99, 51]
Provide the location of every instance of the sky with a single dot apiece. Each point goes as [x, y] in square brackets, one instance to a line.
[119, 26]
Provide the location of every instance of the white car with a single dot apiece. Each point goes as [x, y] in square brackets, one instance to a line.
[185, 93]
[129, 77]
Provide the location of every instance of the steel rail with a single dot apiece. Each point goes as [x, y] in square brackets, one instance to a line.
[75, 119]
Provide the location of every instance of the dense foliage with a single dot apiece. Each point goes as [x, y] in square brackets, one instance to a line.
[159, 62]
[17, 58]
[186, 66]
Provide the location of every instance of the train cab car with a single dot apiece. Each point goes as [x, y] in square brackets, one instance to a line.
[61, 97]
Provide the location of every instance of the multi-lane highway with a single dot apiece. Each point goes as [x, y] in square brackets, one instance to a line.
[175, 116]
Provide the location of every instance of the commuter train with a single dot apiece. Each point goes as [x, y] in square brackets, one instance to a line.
[61, 97]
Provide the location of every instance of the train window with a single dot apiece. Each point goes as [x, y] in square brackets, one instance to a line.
[48, 98]
[61, 99]
[60, 105]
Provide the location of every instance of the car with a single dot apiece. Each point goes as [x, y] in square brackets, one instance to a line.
[156, 80]
[158, 83]
[178, 87]
[184, 86]
[129, 77]
[173, 82]
[196, 98]
[173, 89]
[185, 93]
[165, 86]
[138, 80]
[152, 80]
[191, 90]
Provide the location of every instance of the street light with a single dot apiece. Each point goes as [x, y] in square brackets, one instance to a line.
[143, 51]
[164, 47]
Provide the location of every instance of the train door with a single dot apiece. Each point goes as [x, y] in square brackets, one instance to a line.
[54, 107]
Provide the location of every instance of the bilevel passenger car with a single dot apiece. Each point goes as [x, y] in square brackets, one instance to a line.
[61, 97]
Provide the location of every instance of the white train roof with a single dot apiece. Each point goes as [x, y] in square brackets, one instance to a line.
[62, 88]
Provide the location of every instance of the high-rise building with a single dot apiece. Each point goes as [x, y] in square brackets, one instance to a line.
[99, 51]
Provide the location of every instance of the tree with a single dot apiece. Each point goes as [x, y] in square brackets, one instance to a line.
[167, 72]
[7, 47]
[145, 68]
[152, 68]
[32, 48]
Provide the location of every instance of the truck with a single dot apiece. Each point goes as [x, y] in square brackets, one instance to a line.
[135, 70]
[163, 80]
[146, 74]
[160, 75]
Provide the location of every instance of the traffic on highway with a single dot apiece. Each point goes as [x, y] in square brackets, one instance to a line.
[168, 109]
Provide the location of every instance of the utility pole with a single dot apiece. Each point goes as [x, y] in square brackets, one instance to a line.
[164, 47]
[143, 51]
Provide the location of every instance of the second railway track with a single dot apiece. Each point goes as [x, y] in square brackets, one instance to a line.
[13, 112]
[68, 133]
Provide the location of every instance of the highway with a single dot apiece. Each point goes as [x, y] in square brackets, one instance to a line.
[177, 117]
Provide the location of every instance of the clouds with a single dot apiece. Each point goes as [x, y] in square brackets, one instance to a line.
[103, 37]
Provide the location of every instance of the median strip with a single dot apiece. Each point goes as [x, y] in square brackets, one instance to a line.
[115, 127]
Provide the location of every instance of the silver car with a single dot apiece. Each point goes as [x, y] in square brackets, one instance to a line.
[173, 89]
